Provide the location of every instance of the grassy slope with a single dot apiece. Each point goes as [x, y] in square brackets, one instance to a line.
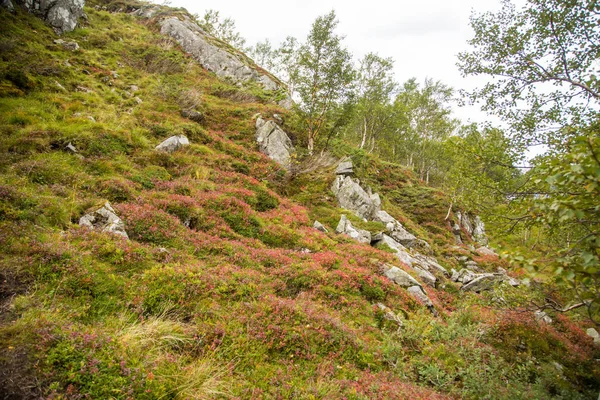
[229, 306]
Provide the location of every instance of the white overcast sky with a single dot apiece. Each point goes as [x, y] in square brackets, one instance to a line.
[422, 36]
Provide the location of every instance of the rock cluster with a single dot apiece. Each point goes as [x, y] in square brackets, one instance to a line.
[345, 227]
[61, 15]
[274, 142]
[473, 225]
[353, 197]
[104, 219]
[477, 282]
[212, 54]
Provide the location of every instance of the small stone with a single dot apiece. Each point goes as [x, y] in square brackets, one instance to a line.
[593, 333]
[71, 148]
[71, 46]
[138, 100]
[542, 316]
[173, 143]
[320, 227]
[59, 86]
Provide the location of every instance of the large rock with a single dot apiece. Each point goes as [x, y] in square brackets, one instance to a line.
[399, 250]
[395, 229]
[7, 4]
[430, 264]
[481, 282]
[353, 197]
[399, 277]
[61, 15]
[345, 227]
[274, 142]
[214, 55]
[594, 335]
[344, 168]
[173, 143]
[425, 276]
[104, 220]
[474, 226]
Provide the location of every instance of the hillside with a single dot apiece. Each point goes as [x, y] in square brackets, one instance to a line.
[222, 287]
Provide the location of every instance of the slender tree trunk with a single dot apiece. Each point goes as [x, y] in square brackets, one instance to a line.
[311, 144]
[364, 133]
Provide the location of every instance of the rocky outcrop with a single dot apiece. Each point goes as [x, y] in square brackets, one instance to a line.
[399, 251]
[213, 54]
[173, 143]
[344, 168]
[104, 220]
[425, 276]
[474, 226]
[395, 229]
[399, 277]
[481, 282]
[353, 197]
[474, 282]
[274, 142]
[345, 227]
[61, 15]
[430, 264]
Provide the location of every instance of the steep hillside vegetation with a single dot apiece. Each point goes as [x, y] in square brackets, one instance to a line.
[224, 289]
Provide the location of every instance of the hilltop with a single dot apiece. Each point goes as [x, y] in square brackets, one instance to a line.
[204, 274]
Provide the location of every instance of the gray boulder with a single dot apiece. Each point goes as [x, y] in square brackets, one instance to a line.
[104, 220]
[345, 227]
[594, 335]
[430, 264]
[542, 317]
[399, 250]
[425, 276]
[353, 197]
[344, 168]
[474, 226]
[193, 115]
[274, 142]
[173, 143]
[463, 276]
[61, 15]
[486, 251]
[481, 282]
[320, 227]
[7, 4]
[213, 54]
[400, 277]
[395, 229]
